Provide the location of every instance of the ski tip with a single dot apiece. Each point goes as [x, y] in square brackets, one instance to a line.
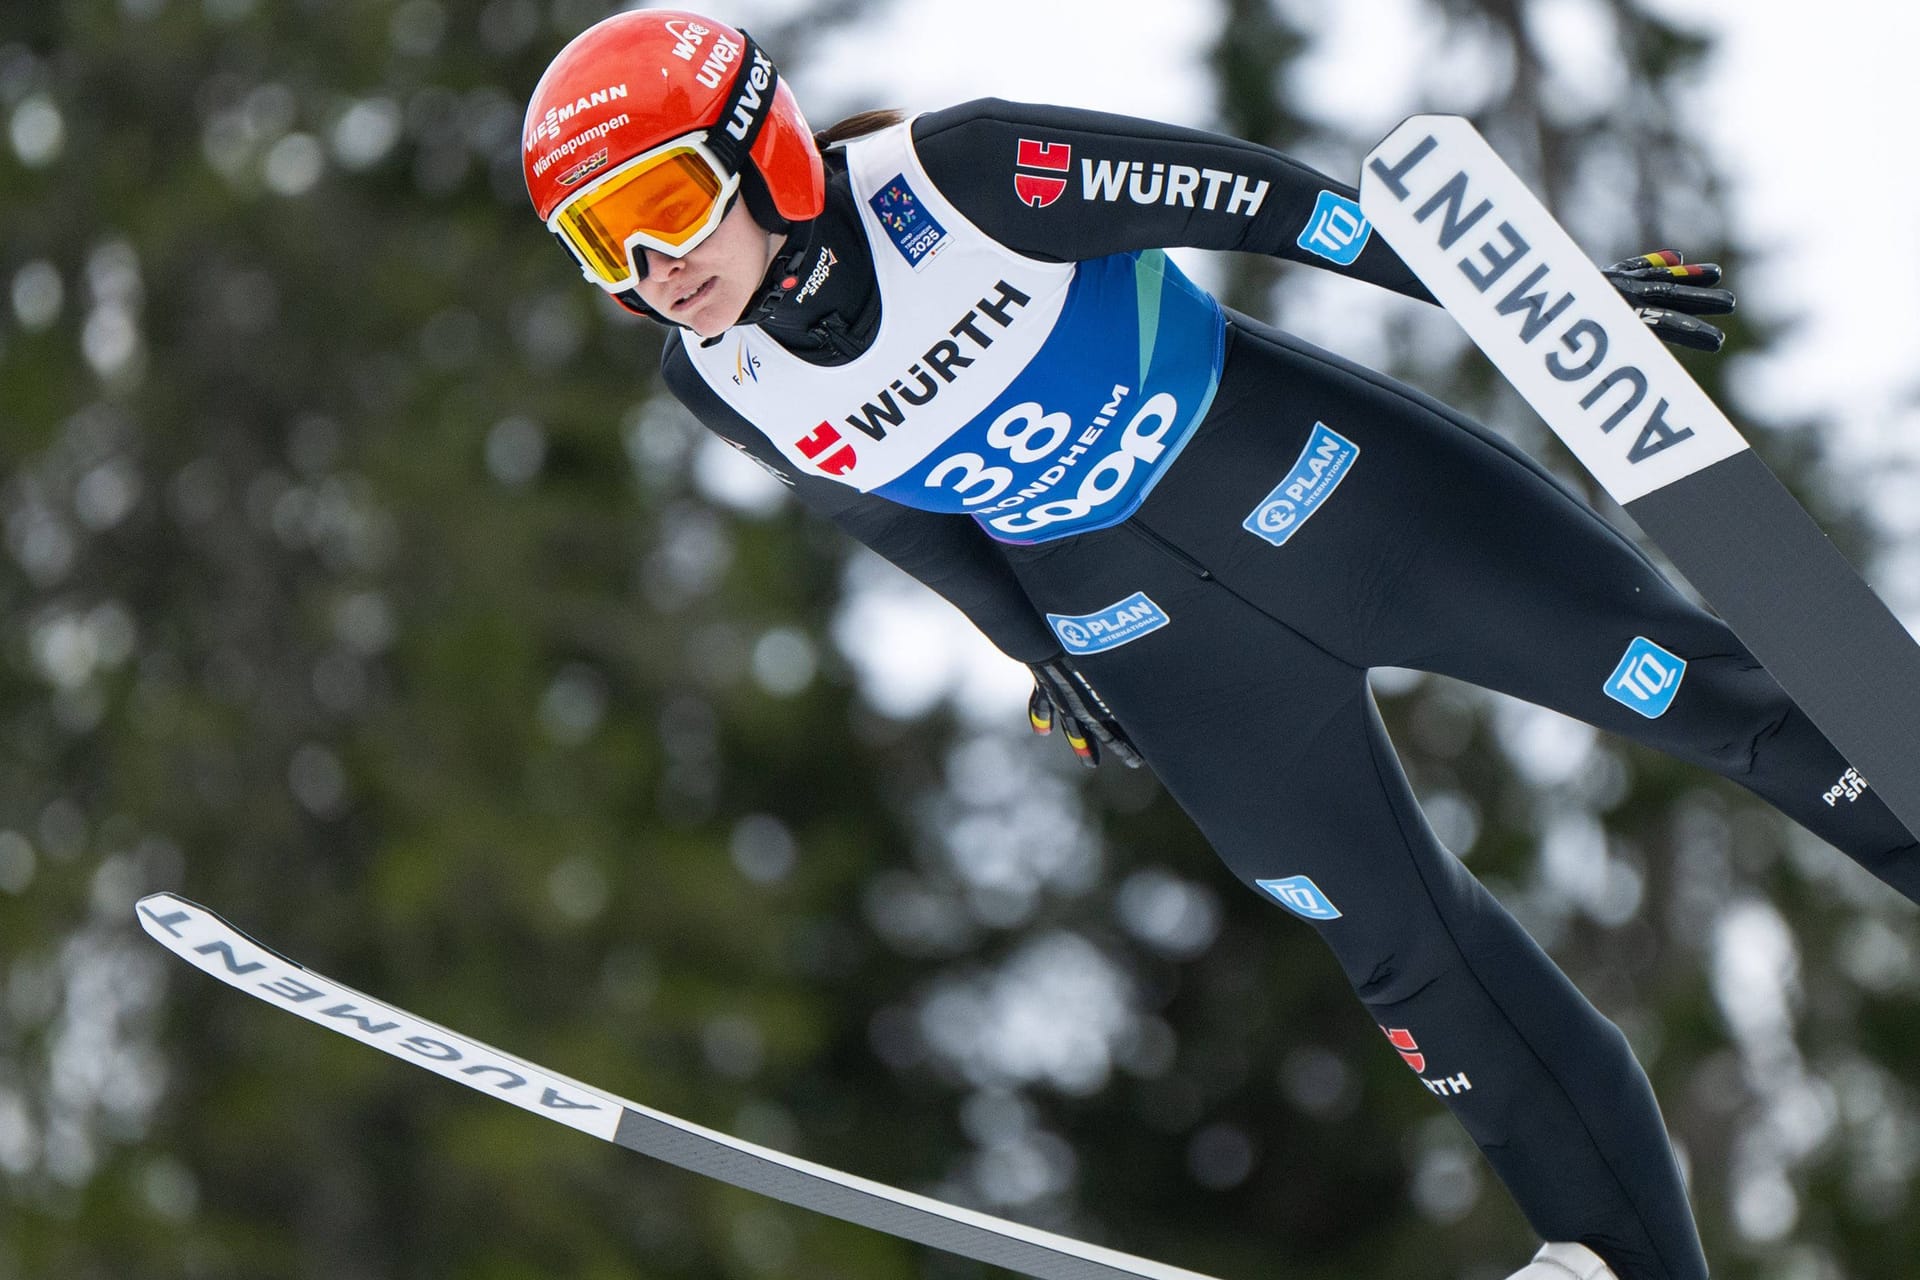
[161, 914]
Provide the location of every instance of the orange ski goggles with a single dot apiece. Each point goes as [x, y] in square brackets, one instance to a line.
[668, 199]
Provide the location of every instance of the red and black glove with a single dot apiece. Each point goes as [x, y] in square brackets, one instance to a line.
[1667, 292]
[1062, 695]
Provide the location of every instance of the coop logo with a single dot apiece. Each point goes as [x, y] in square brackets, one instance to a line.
[593, 163]
[1850, 788]
[547, 127]
[1113, 626]
[1155, 182]
[1301, 896]
[1647, 678]
[1055, 160]
[1322, 465]
[1337, 231]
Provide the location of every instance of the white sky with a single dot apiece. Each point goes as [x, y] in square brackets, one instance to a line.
[1800, 112]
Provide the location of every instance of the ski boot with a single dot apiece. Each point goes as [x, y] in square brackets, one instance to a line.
[1565, 1262]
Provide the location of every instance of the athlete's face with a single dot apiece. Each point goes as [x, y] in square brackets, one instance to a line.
[709, 288]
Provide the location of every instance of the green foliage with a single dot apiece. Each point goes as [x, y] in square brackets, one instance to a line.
[360, 583]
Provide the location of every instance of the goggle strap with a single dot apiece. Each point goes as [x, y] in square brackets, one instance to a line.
[741, 111]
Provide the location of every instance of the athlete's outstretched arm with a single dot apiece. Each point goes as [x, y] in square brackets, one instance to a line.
[950, 553]
[1067, 184]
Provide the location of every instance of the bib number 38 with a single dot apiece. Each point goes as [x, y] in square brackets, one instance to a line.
[1027, 433]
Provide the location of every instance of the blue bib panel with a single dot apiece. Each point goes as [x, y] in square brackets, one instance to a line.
[1095, 419]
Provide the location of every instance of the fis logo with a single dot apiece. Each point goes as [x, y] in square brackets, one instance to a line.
[1337, 231]
[1301, 896]
[915, 232]
[1647, 678]
[1056, 159]
[746, 366]
[1113, 626]
[1322, 465]
[1850, 788]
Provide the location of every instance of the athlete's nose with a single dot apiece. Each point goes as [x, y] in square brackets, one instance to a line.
[660, 266]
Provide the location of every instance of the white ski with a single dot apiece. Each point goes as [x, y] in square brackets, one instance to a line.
[1539, 309]
[203, 939]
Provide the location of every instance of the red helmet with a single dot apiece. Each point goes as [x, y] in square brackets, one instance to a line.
[631, 85]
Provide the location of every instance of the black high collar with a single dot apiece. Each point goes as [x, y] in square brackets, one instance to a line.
[820, 299]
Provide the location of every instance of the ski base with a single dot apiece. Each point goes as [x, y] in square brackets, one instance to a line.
[208, 942]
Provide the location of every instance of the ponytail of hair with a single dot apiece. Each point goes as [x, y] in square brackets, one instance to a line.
[857, 125]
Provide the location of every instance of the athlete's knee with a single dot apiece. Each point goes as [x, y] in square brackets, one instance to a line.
[1396, 965]
[1727, 712]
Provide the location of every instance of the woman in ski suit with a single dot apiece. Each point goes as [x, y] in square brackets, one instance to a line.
[958, 338]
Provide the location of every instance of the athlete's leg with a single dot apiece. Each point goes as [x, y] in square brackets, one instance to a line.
[1546, 1087]
[1448, 550]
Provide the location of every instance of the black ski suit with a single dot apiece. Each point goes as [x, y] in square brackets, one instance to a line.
[1321, 520]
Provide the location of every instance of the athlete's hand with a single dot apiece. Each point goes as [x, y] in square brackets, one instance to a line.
[1668, 292]
[1062, 696]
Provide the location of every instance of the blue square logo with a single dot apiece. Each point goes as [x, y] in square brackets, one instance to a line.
[1337, 231]
[1302, 897]
[915, 232]
[1647, 678]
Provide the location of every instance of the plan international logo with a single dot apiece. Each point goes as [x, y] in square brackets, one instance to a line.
[1323, 464]
[1113, 626]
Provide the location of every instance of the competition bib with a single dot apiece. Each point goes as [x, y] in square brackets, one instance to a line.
[1042, 399]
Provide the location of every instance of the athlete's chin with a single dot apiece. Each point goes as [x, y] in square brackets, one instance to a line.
[715, 319]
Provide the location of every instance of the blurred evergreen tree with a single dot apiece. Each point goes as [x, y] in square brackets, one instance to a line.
[361, 583]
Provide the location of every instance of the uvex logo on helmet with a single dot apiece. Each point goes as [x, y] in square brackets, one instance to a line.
[688, 35]
[752, 96]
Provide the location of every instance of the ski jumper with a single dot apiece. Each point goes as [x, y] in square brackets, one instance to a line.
[986, 370]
